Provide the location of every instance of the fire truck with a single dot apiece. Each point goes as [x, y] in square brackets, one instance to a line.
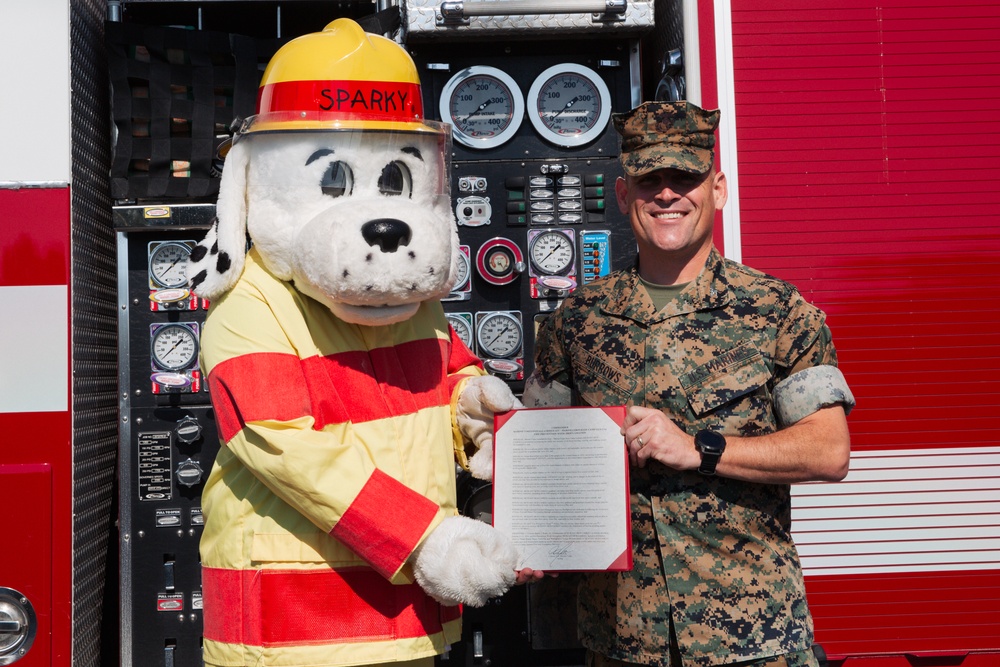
[863, 156]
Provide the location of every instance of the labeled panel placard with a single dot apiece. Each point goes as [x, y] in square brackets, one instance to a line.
[154, 461]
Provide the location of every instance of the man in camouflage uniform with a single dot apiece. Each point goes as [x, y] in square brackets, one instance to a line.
[696, 344]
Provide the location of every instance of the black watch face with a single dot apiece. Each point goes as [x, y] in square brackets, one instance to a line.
[711, 442]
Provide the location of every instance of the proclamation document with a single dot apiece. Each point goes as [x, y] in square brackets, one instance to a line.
[560, 488]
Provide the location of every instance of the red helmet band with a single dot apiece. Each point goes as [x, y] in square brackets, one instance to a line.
[382, 100]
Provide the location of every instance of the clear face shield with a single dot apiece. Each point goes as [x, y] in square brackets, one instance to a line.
[357, 212]
[415, 155]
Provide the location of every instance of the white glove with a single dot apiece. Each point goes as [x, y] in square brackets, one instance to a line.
[482, 397]
[464, 561]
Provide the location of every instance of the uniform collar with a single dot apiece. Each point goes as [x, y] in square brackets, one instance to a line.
[709, 290]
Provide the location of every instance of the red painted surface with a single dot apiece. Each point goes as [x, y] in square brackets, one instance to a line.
[946, 613]
[869, 170]
[36, 458]
[34, 245]
[26, 557]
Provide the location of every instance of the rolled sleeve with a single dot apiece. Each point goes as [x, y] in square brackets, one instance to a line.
[809, 390]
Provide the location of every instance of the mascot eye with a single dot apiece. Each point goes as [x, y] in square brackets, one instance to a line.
[337, 180]
[395, 180]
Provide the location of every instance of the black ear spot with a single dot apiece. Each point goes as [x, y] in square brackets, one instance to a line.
[198, 253]
[215, 247]
[224, 262]
[198, 279]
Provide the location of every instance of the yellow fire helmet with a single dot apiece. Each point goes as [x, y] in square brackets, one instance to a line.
[340, 78]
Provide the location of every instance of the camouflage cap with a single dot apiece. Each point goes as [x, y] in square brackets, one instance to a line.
[659, 135]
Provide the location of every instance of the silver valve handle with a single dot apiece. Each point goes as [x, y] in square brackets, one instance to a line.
[459, 10]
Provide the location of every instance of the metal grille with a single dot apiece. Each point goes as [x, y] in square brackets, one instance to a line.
[94, 322]
[176, 92]
[657, 45]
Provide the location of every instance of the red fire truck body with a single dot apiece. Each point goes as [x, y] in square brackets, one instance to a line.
[863, 156]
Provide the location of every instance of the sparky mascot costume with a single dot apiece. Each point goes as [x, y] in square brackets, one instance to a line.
[342, 397]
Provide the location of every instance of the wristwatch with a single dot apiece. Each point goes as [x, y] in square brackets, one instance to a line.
[710, 445]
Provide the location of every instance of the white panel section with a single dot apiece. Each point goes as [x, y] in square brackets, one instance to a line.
[903, 511]
[692, 51]
[727, 157]
[35, 111]
[34, 349]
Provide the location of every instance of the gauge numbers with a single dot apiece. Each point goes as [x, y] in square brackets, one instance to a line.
[174, 347]
[462, 324]
[551, 252]
[463, 268]
[499, 334]
[570, 104]
[168, 264]
[484, 106]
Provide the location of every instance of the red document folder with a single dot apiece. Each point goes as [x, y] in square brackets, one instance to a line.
[561, 488]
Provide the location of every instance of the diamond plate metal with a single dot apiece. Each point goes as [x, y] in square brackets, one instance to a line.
[421, 20]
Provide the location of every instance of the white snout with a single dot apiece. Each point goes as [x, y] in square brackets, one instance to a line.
[370, 257]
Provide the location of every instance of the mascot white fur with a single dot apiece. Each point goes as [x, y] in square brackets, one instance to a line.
[342, 397]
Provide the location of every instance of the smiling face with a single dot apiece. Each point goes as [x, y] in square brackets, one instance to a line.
[361, 222]
[672, 214]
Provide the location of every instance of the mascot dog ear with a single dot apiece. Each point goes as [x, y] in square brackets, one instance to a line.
[217, 262]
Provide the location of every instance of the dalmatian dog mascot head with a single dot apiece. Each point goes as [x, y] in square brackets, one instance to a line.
[334, 212]
[355, 211]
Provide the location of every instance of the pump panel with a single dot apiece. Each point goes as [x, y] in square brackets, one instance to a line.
[533, 167]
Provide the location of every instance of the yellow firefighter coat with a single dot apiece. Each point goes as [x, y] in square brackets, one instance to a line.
[337, 459]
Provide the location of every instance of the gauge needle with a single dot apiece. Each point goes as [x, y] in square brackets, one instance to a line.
[497, 337]
[479, 108]
[567, 106]
[167, 353]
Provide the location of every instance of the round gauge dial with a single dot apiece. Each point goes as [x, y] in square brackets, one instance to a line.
[484, 106]
[168, 265]
[499, 261]
[499, 335]
[463, 271]
[569, 104]
[551, 252]
[174, 347]
[462, 328]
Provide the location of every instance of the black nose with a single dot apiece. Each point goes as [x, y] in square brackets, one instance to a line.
[387, 233]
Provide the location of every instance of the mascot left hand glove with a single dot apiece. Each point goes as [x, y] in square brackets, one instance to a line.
[464, 561]
[481, 398]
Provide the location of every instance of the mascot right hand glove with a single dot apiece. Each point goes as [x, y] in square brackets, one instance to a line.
[464, 561]
[481, 398]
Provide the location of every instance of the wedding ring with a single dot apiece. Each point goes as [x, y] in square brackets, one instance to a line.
[639, 440]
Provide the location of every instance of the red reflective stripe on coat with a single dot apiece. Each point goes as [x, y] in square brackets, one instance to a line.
[354, 386]
[289, 607]
[385, 505]
[265, 385]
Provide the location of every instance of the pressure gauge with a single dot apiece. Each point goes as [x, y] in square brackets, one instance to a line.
[551, 252]
[569, 104]
[174, 347]
[499, 334]
[484, 106]
[499, 261]
[168, 264]
[463, 269]
[462, 327]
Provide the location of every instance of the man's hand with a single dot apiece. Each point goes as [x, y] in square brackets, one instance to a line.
[815, 448]
[649, 434]
[529, 576]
